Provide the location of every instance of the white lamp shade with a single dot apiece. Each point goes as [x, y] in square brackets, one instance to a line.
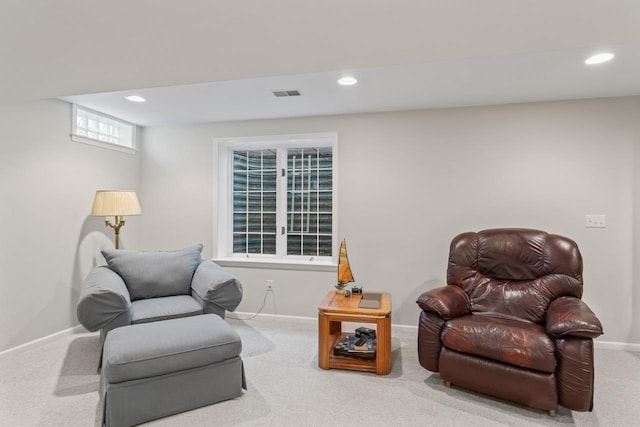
[115, 203]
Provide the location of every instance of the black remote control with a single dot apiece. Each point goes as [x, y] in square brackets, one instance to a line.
[361, 341]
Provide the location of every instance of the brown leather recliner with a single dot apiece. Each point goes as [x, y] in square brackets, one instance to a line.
[510, 322]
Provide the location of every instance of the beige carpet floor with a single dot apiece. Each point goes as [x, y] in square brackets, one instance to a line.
[56, 384]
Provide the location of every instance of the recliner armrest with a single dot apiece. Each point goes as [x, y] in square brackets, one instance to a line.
[571, 316]
[447, 301]
[104, 297]
[215, 285]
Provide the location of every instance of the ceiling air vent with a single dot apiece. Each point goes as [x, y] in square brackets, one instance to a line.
[284, 93]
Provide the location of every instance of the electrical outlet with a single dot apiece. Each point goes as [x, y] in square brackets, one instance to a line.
[595, 221]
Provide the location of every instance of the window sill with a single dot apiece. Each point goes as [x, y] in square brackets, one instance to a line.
[103, 144]
[277, 264]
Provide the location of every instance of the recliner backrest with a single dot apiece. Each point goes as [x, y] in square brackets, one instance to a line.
[515, 272]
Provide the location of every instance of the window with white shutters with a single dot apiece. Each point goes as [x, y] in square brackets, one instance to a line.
[276, 198]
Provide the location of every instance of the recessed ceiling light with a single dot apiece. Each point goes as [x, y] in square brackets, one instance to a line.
[347, 81]
[599, 58]
[134, 98]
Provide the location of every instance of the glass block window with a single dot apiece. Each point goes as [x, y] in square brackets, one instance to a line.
[276, 197]
[309, 201]
[92, 126]
[254, 201]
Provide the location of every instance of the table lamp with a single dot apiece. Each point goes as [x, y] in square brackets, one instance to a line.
[117, 204]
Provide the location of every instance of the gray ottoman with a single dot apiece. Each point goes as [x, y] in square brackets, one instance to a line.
[152, 370]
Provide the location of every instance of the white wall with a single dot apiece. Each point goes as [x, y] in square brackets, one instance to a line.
[410, 181]
[48, 241]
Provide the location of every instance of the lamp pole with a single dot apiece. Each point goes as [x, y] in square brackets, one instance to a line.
[119, 223]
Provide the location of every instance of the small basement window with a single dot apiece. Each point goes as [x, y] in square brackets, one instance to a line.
[99, 129]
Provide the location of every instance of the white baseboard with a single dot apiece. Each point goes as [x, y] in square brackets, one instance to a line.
[612, 345]
[405, 326]
[41, 341]
[243, 315]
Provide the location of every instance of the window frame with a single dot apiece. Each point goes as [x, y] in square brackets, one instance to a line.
[97, 142]
[223, 201]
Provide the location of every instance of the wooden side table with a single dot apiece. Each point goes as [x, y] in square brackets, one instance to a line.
[335, 309]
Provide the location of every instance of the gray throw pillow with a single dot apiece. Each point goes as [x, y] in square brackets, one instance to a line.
[155, 274]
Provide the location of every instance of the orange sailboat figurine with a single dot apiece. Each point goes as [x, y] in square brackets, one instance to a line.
[344, 270]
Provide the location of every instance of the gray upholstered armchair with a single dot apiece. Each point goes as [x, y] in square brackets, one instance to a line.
[138, 287]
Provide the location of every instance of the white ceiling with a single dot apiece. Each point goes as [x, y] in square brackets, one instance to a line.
[218, 60]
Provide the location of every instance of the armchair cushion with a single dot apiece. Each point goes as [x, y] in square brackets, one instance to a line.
[447, 301]
[155, 274]
[154, 309]
[571, 316]
[504, 340]
[212, 284]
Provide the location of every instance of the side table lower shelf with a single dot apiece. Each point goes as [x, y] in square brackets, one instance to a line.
[351, 363]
